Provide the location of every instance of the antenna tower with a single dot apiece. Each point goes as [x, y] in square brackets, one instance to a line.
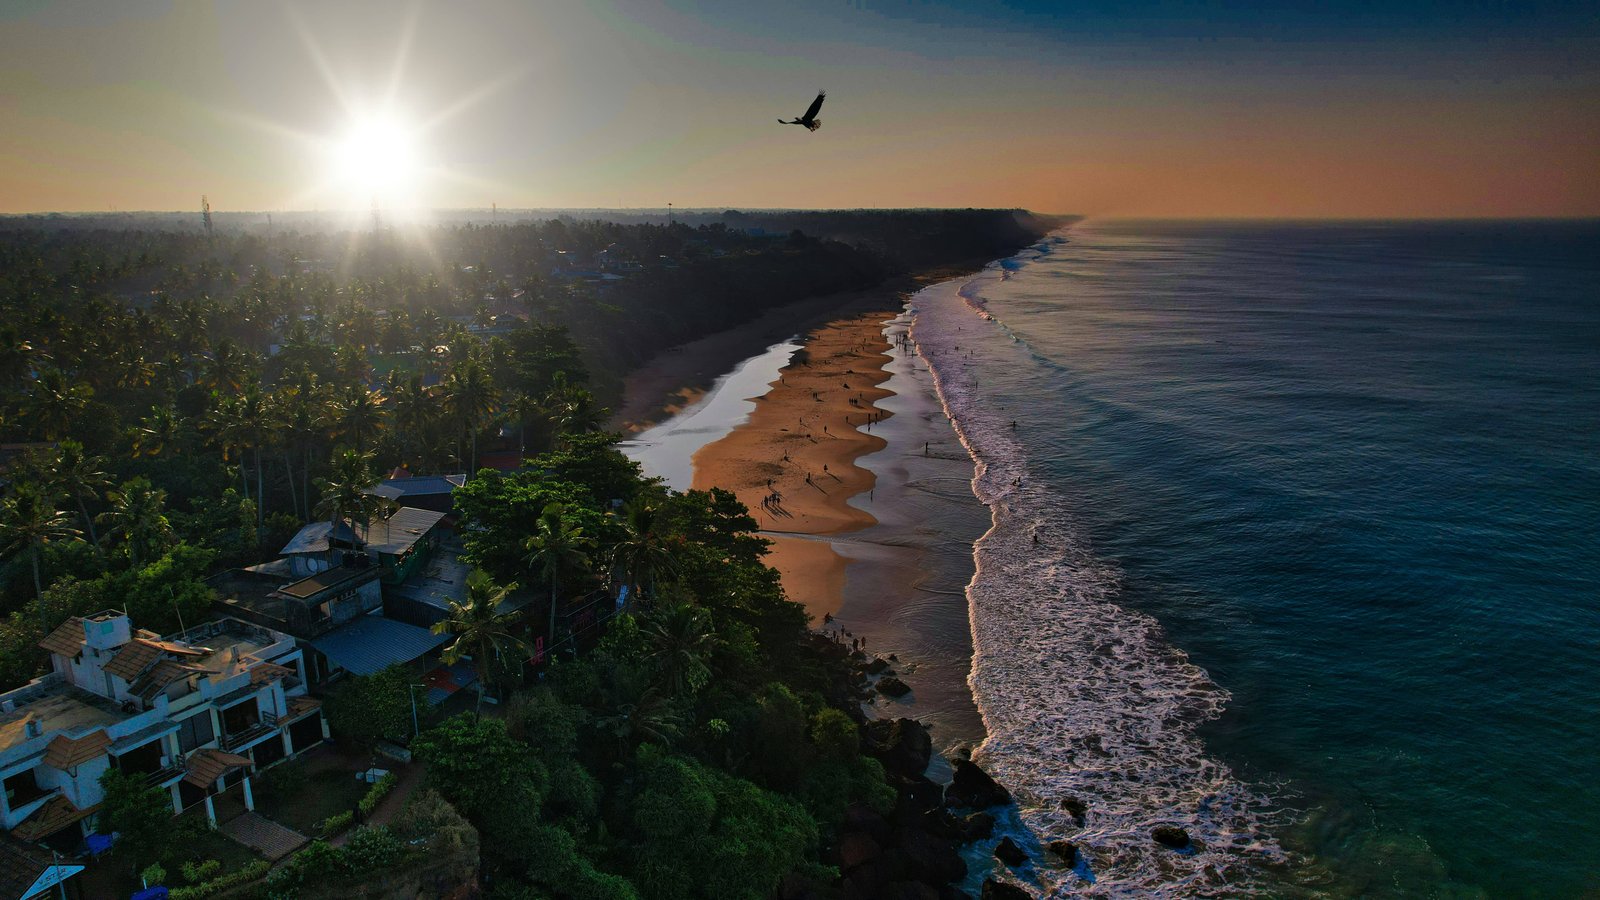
[205, 215]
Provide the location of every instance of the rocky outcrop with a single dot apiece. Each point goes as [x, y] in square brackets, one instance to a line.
[1170, 836]
[999, 890]
[972, 787]
[890, 686]
[977, 826]
[1009, 853]
[1066, 850]
[902, 745]
[1075, 808]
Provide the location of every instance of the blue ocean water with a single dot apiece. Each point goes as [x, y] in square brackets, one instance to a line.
[1333, 491]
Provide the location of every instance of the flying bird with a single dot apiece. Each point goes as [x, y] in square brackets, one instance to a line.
[809, 120]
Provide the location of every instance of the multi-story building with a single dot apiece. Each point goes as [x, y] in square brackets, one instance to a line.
[194, 714]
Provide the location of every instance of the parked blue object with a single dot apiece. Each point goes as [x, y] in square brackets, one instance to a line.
[159, 892]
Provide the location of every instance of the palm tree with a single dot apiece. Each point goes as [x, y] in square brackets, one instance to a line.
[158, 434]
[256, 431]
[228, 368]
[481, 630]
[344, 492]
[29, 520]
[569, 408]
[415, 410]
[56, 403]
[470, 399]
[79, 476]
[642, 555]
[138, 516]
[649, 716]
[557, 546]
[358, 414]
[680, 639]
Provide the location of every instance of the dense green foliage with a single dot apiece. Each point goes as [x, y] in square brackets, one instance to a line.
[139, 814]
[697, 745]
[670, 728]
[370, 708]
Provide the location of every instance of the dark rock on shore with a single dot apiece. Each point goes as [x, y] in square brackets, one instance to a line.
[1009, 853]
[878, 666]
[972, 787]
[1075, 808]
[909, 890]
[1066, 850]
[935, 860]
[1170, 836]
[977, 826]
[859, 817]
[902, 745]
[918, 796]
[891, 686]
[856, 849]
[999, 890]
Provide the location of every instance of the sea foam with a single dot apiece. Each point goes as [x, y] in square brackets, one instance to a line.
[1081, 698]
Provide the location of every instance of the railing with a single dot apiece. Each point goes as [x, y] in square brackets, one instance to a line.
[161, 776]
[267, 725]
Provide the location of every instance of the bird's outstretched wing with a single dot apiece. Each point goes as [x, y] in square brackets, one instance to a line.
[815, 105]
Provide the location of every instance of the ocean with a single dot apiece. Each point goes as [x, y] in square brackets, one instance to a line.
[1286, 534]
[1317, 511]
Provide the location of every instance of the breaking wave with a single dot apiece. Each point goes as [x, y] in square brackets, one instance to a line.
[1082, 699]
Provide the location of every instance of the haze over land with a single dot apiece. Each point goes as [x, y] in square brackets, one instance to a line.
[1352, 110]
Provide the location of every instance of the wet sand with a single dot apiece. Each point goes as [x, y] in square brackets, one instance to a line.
[793, 461]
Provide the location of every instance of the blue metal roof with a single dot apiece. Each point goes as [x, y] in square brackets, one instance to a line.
[372, 642]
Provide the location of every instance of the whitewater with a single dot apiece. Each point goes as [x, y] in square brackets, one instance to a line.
[1083, 701]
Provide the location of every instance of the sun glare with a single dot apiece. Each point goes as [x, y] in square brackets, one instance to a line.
[377, 159]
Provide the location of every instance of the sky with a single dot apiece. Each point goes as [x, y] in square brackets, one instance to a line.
[1354, 108]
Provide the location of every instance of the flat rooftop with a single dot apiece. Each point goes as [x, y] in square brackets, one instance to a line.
[327, 580]
[57, 707]
[442, 580]
[228, 651]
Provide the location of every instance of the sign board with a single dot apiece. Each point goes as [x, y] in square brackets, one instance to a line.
[53, 875]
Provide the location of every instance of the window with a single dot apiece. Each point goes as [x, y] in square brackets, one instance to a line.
[22, 789]
[194, 731]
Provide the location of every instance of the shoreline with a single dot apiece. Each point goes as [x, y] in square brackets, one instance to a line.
[800, 447]
[679, 376]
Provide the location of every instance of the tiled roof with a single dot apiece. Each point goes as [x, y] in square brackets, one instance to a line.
[56, 814]
[133, 658]
[269, 671]
[163, 674]
[64, 752]
[299, 707]
[21, 865]
[67, 640]
[206, 766]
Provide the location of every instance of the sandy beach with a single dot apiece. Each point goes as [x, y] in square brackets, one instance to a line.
[793, 463]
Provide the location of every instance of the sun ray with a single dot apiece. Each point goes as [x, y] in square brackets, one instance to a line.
[320, 61]
[475, 96]
[408, 35]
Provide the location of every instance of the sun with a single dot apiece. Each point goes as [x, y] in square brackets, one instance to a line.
[377, 158]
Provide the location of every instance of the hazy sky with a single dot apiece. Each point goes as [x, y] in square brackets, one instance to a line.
[1379, 108]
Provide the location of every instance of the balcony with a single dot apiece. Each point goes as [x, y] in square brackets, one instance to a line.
[267, 724]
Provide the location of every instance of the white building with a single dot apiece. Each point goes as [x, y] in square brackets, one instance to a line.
[194, 715]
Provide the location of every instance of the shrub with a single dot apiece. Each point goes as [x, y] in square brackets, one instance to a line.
[154, 875]
[242, 875]
[372, 848]
[376, 793]
[196, 872]
[336, 823]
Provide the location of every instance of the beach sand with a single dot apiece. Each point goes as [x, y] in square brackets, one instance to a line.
[801, 443]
